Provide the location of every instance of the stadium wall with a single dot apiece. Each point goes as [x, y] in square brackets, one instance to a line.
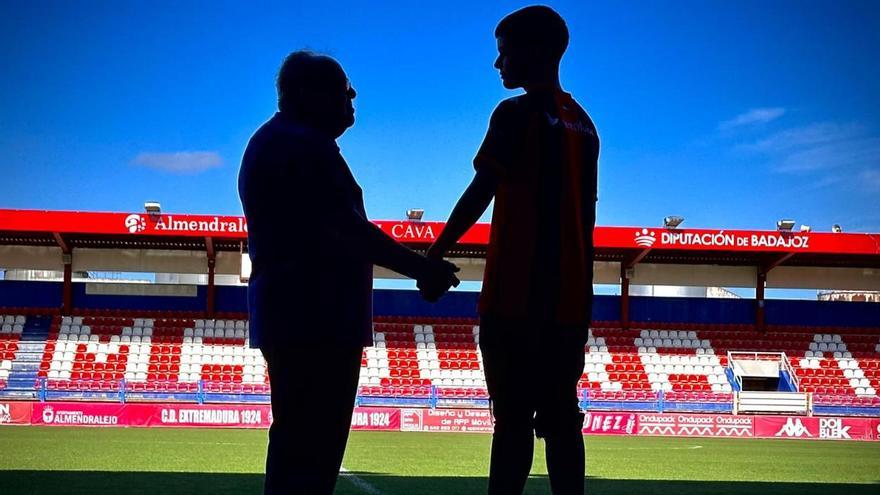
[437, 420]
[408, 303]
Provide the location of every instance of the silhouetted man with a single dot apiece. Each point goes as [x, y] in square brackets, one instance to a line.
[312, 250]
[539, 161]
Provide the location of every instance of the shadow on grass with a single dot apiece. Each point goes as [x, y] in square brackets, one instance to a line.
[150, 483]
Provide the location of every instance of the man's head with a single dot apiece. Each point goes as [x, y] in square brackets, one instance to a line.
[531, 42]
[314, 89]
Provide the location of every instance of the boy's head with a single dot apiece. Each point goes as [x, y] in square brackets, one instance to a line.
[531, 42]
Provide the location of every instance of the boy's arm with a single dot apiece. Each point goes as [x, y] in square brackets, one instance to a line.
[467, 211]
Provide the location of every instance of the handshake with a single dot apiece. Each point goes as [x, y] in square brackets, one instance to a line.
[437, 277]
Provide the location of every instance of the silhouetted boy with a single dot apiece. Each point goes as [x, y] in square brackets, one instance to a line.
[539, 162]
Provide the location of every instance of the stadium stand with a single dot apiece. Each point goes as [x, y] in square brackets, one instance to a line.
[139, 353]
[11, 327]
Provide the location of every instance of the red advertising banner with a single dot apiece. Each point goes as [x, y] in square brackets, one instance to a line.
[187, 415]
[814, 428]
[15, 413]
[437, 420]
[695, 425]
[375, 418]
[235, 227]
[454, 420]
[610, 423]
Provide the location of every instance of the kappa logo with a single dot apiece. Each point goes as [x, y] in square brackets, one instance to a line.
[135, 223]
[5, 413]
[793, 428]
[644, 238]
[48, 415]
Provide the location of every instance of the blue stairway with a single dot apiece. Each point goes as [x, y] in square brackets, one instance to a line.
[20, 384]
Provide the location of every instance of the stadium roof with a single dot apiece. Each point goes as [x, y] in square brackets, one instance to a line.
[629, 245]
[178, 243]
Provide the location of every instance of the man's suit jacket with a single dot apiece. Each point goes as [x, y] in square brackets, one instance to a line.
[310, 284]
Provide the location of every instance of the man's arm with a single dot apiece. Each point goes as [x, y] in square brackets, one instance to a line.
[352, 229]
[467, 211]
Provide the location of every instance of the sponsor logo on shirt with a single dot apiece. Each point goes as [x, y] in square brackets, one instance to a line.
[576, 126]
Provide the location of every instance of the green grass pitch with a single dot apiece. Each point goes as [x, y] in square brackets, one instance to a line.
[52, 460]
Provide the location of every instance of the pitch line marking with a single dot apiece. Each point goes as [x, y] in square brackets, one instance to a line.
[695, 447]
[358, 482]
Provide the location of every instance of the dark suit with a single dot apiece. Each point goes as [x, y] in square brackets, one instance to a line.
[309, 296]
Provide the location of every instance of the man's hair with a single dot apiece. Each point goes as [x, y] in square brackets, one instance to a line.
[536, 25]
[302, 71]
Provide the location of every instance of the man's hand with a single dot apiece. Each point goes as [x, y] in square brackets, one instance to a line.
[437, 279]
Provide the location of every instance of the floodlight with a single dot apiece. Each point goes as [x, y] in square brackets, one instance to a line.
[806, 228]
[836, 228]
[785, 225]
[152, 207]
[415, 214]
[672, 221]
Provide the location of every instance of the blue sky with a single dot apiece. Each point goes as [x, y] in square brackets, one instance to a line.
[731, 114]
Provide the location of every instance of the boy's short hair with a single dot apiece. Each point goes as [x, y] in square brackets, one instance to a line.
[537, 25]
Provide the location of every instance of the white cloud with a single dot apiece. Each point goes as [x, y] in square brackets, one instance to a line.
[829, 153]
[855, 153]
[753, 116]
[814, 134]
[183, 162]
